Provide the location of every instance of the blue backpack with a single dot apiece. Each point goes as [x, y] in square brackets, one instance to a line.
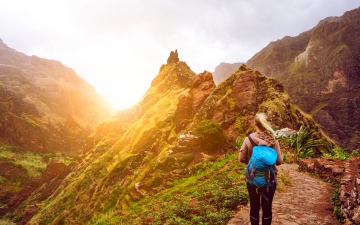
[260, 168]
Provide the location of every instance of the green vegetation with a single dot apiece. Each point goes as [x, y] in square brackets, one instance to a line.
[134, 178]
[301, 144]
[208, 196]
[232, 103]
[336, 152]
[238, 142]
[9, 219]
[210, 134]
[240, 124]
[335, 199]
[34, 163]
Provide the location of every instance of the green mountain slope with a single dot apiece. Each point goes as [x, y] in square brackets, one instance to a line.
[320, 70]
[46, 113]
[172, 157]
[44, 105]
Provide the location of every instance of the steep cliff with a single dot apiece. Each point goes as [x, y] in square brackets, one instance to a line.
[320, 69]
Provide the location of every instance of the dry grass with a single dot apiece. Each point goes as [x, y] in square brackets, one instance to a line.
[284, 180]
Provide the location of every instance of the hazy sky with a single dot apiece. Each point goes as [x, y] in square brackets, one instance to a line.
[118, 46]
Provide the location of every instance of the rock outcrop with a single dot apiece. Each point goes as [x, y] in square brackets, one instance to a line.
[173, 58]
[189, 103]
[327, 169]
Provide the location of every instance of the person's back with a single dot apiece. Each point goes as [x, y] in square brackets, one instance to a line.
[264, 136]
[261, 165]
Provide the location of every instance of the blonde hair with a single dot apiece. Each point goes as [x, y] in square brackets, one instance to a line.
[262, 123]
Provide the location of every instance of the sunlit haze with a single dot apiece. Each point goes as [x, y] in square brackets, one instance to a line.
[118, 46]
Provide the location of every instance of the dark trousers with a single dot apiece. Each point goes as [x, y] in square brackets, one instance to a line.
[261, 197]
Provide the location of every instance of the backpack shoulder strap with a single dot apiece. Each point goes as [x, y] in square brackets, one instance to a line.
[253, 144]
[252, 141]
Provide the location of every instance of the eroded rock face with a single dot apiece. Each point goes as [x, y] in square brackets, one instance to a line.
[183, 112]
[234, 102]
[201, 87]
[321, 74]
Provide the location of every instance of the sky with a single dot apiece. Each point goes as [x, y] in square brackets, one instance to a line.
[118, 46]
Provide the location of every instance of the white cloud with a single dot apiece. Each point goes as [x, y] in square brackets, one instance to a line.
[118, 46]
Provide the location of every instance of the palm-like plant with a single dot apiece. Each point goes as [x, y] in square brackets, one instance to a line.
[302, 143]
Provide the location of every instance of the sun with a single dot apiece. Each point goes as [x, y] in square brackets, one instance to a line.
[121, 93]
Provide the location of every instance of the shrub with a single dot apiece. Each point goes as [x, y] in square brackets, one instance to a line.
[185, 160]
[210, 134]
[154, 181]
[16, 218]
[340, 153]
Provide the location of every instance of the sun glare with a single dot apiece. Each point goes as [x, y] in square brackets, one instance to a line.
[121, 94]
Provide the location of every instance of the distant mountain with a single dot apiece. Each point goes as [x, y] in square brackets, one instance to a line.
[153, 151]
[320, 69]
[224, 70]
[44, 105]
[46, 114]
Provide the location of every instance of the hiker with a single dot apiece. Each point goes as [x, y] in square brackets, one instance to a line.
[261, 194]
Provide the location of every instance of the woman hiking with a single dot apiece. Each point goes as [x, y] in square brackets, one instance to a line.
[261, 195]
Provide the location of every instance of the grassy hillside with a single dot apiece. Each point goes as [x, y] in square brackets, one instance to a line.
[209, 195]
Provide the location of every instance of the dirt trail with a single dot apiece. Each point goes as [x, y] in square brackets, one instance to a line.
[305, 201]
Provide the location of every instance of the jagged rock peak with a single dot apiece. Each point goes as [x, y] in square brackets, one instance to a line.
[173, 58]
[243, 67]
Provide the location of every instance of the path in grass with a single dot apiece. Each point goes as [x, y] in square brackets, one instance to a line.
[305, 201]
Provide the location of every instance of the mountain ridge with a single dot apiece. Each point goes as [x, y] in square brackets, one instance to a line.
[39, 95]
[155, 150]
[327, 51]
[320, 70]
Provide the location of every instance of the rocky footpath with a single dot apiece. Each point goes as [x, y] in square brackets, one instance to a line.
[347, 174]
[305, 201]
